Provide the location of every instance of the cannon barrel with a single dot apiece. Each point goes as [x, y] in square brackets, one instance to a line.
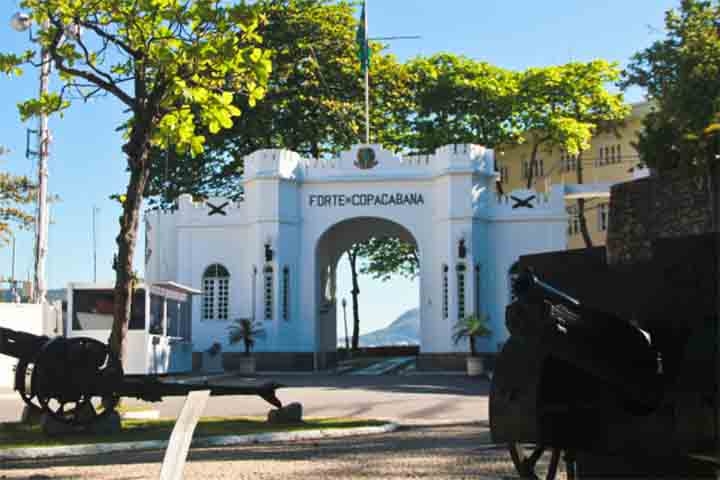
[55, 372]
[599, 343]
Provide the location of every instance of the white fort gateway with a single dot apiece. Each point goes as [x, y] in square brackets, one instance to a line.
[272, 257]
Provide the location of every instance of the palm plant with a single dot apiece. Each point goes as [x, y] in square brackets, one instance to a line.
[471, 327]
[245, 330]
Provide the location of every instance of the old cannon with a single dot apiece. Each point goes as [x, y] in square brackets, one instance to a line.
[590, 388]
[78, 381]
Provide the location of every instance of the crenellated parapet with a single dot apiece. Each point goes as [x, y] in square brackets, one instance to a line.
[273, 163]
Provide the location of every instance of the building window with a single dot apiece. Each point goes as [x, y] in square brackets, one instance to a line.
[573, 221]
[268, 280]
[216, 293]
[286, 293]
[603, 217]
[504, 173]
[619, 155]
[461, 290]
[445, 288]
[540, 168]
[477, 288]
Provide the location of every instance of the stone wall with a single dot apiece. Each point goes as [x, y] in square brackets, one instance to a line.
[644, 210]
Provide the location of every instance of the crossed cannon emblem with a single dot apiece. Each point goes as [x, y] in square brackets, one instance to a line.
[523, 202]
[217, 210]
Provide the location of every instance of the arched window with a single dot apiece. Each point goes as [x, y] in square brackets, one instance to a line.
[216, 293]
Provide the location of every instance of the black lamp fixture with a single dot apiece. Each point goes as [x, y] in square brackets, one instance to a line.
[462, 250]
[268, 253]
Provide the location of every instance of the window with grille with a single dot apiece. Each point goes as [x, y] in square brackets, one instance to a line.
[268, 281]
[477, 287]
[461, 290]
[216, 293]
[619, 155]
[573, 222]
[286, 294]
[603, 217]
[445, 292]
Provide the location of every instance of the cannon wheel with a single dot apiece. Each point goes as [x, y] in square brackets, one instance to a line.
[22, 372]
[526, 457]
[86, 409]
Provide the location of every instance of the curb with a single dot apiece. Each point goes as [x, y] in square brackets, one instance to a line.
[218, 441]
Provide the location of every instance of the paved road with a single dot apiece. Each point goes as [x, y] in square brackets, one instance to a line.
[420, 452]
[411, 399]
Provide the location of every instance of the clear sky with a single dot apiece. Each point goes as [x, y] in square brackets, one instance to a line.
[86, 164]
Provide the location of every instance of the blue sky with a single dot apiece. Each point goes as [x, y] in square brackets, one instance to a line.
[86, 164]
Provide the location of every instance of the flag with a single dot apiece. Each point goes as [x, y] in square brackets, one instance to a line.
[362, 42]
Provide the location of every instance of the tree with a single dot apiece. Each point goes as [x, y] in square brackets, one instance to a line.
[471, 327]
[314, 103]
[244, 330]
[353, 253]
[563, 107]
[460, 100]
[15, 191]
[174, 65]
[385, 256]
[681, 74]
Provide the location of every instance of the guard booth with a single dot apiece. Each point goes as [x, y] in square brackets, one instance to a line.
[159, 340]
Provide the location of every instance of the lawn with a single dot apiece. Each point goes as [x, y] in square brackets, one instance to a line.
[17, 435]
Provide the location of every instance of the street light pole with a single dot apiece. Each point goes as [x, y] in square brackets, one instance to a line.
[22, 22]
[347, 341]
[41, 239]
[94, 236]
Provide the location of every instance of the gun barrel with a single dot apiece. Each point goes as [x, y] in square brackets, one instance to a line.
[20, 345]
[152, 389]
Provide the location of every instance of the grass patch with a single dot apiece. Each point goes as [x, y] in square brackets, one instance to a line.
[17, 435]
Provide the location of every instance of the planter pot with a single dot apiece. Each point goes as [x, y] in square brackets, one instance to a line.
[246, 365]
[475, 366]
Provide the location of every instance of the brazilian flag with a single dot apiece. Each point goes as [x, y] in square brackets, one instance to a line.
[362, 42]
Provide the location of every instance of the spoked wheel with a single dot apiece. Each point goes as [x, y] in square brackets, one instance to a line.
[527, 460]
[83, 397]
[23, 385]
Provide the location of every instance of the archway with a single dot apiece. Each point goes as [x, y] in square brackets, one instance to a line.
[330, 248]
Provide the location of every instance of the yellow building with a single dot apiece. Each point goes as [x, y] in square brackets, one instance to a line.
[611, 158]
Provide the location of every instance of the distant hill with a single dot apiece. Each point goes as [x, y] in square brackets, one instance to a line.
[405, 330]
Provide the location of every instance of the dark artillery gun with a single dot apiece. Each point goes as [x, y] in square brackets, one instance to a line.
[78, 381]
[590, 388]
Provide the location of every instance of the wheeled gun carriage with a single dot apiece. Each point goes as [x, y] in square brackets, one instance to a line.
[586, 386]
[78, 381]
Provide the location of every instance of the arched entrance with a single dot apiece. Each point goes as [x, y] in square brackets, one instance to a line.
[331, 246]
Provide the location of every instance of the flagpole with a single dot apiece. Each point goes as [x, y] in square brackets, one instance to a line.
[367, 80]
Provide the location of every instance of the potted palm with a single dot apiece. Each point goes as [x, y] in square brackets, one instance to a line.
[246, 331]
[472, 327]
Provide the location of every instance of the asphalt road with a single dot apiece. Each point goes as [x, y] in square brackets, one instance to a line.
[439, 452]
[410, 399]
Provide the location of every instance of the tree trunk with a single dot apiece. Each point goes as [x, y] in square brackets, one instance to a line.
[473, 350]
[582, 219]
[137, 151]
[352, 257]
[531, 165]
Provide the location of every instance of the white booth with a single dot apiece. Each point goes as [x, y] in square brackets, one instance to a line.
[159, 337]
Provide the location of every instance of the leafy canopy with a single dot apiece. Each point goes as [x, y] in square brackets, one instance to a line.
[175, 64]
[682, 76]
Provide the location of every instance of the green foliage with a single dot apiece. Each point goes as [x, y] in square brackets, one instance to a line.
[471, 327]
[184, 60]
[460, 100]
[244, 330]
[15, 191]
[314, 102]
[682, 76]
[385, 256]
[564, 106]
[10, 63]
